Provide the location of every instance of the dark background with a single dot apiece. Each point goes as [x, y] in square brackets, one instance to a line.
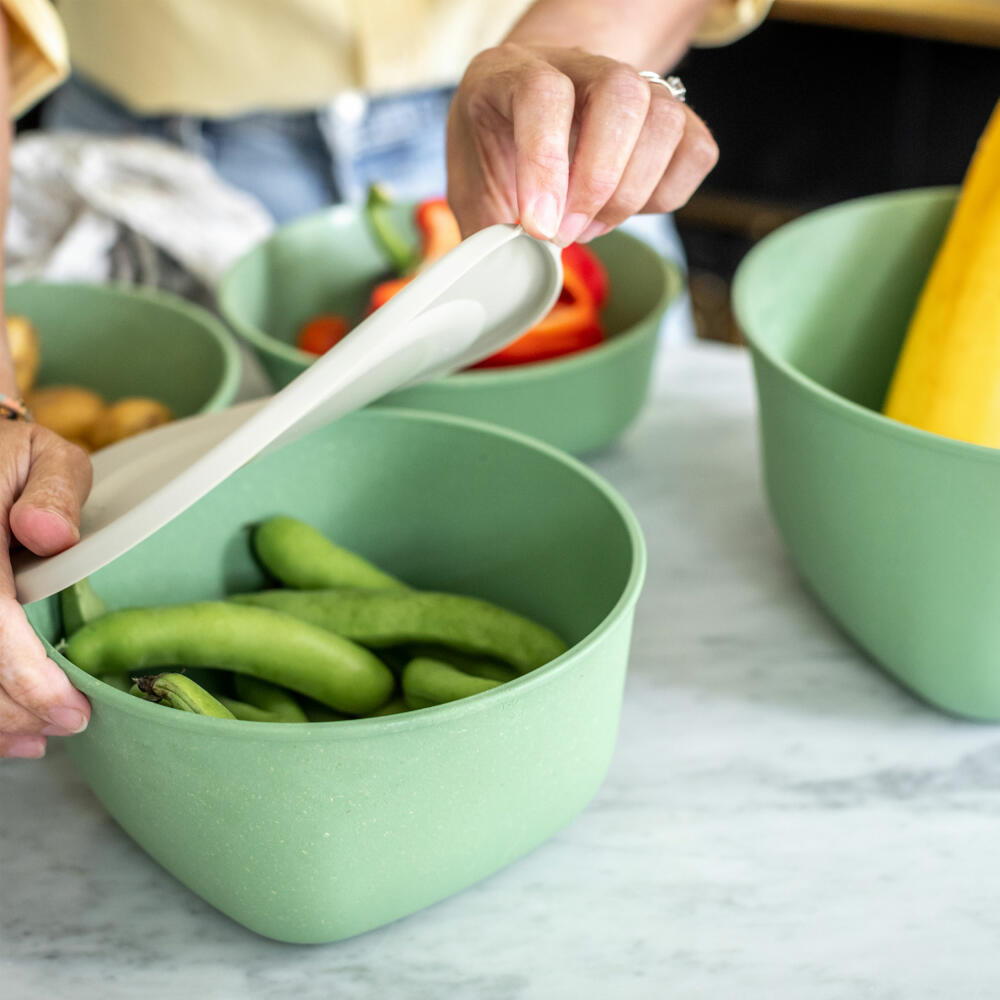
[809, 115]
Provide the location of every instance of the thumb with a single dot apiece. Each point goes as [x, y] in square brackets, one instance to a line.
[46, 516]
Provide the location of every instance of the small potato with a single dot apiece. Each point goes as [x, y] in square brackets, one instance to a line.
[125, 418]
[23, 340]
[66, 409]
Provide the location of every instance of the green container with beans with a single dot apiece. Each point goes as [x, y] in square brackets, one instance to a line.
[316, 831]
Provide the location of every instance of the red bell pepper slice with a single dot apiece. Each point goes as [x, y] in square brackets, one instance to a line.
[571, 325]
[321, 333]
[438, 234]
[384, 291]
[588, 265]
[438, 228]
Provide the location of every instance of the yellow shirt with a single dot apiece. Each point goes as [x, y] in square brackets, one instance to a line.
[37, 53]
[217, 58]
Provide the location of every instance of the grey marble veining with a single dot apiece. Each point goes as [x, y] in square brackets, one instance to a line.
[780, 820]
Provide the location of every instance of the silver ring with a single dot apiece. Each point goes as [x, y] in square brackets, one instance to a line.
[673, 84]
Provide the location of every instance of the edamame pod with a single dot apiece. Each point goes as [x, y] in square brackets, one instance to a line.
[393, 618]
[251, 713]
[120, 681]
[178, 691]
[317, 712]
[248, 640]
[430, 682]
[392, 707]
[80, 604]
[478, 666]
[300, 556]
[275, 702]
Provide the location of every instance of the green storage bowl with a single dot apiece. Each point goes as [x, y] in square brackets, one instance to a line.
[121, 341]
[894, 528]
[316, 832]
[328, 263]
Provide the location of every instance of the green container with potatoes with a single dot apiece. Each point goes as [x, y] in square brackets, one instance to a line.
[119, 341]
[893, 528]
[314, 832]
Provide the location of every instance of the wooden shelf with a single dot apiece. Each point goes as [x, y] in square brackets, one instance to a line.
[974, 22]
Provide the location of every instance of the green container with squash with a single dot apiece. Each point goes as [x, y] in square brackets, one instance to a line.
[893, 528]
[328, 263]
[316, 832]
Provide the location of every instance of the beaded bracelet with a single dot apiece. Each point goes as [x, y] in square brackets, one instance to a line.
[12, 408]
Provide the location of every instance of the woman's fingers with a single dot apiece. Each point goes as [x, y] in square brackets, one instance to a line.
[478, 198]
[43, 483]
[508, 142]
[694, 158]
[662, 133]
[18, 745]
[568, 143]
[612, 105]
[46, 516]
[15, 720]
[31, 681]
[542, 106]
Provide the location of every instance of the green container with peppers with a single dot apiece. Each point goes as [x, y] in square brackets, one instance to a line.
[312, 832]
[329, 262]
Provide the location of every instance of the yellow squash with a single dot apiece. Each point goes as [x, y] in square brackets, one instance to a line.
[947, 379]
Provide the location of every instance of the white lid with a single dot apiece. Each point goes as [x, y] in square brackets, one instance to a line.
[462, 308]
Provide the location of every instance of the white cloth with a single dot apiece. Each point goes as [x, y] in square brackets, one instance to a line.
[133, 210]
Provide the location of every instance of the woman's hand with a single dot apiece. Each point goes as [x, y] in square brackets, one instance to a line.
[568, 143]
[43, 483]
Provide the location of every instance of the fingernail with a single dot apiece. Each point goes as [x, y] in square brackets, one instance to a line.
[571, 227]
[53, 730]
[26, 746]
[74, 528]
[68, 720]
[545, 215]
[592, 231]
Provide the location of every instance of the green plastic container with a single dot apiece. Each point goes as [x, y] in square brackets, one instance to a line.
[122, 342]
[316, 832]
[895, 529]
[328, 263]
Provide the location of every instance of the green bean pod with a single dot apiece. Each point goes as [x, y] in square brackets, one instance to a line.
[247, 640]
[393, 618]
[178, 691]
[276, 702]
[80, 604]
[317, 712]
[300, 556]
[430, 682]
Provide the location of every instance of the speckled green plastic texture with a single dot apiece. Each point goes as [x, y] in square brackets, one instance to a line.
[122, 341]
[312, 833]
[895, 529]
[328, 263]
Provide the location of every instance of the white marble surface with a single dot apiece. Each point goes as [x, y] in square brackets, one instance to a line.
[780, 819]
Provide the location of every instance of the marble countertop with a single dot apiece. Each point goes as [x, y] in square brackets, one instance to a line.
[780, 819]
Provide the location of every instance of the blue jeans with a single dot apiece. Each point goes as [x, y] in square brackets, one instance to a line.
[296, 163]
[293, 163]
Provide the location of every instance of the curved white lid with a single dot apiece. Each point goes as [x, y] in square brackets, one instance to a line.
[462, 308]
